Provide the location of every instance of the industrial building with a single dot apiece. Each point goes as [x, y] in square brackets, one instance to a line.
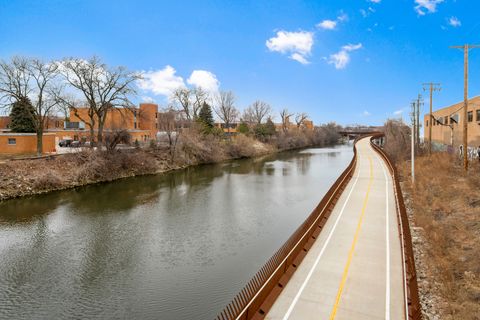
[447, 125]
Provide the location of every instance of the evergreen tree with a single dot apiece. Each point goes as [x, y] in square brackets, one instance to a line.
[205, 116]
[243, 128]
[22, 116]
[270, 127]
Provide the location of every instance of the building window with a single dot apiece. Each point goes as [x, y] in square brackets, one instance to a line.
[478, 115]
[135, 125]
[470, 116]
[156, 115]
[12, 141]
[426, 124]
[445, 121]
[135, 113]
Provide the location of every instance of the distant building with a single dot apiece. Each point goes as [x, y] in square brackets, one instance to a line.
[141, 123]
[230, 129]
[25, 143]
[447, 125]
[289, 126]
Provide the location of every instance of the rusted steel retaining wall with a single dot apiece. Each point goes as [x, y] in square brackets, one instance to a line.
[258, 296]
[412, 297]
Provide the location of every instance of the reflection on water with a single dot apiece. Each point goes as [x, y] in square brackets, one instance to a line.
[174, 246]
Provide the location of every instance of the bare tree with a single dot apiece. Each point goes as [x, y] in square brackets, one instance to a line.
[170, 122]
[300, 119]
[115, 137]
[182, 97]
[285, 116]
[30, 81]
[257, 112]
[225, 108]
[200, 97]
[102, 87]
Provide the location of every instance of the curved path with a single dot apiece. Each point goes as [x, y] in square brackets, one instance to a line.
[354, 269]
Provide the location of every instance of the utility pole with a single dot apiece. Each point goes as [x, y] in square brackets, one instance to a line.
[432, 87]
[417, 114]
[465, 48]
[412, 134]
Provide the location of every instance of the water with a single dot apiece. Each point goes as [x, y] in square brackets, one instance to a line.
[174, 246]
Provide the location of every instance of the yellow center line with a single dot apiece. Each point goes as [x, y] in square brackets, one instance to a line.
[352, 248]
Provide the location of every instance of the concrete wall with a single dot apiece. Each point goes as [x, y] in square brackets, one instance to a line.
[25, 143]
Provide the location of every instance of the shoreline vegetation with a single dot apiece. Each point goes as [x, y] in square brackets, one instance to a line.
[29, 177]
[443, 206]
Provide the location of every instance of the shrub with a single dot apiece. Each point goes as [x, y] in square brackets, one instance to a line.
[241, 147]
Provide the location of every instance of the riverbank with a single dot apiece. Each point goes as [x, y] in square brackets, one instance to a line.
[36, 176]
[444, 211]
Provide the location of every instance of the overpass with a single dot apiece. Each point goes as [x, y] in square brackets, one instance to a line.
[356, 133]
[351, 259]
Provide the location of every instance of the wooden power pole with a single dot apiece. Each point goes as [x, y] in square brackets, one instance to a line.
[465, 48]
[417, 115]
[431, 87]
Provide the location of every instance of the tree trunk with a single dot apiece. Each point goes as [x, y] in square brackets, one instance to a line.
[92, 136]
[39, 141]
[100, 135]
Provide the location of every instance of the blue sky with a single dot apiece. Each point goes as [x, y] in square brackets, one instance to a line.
[346, 61]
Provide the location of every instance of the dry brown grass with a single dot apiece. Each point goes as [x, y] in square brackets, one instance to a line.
[24, 177]
[445, 204]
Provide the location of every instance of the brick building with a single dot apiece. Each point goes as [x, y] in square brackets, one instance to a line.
[25, 143]
[447, 126]
[140, 122]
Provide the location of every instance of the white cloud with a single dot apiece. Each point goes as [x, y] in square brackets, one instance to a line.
[454, 22]
[297, 44]
[161, 82]
[342, 58]
[366, 113]
[327, 24]
[426, 6]
[352, 47]
[147, 99]
[204, 79]
[366, 12]
[298, 57]
[398, 112]
[342, 17]
[375, 1]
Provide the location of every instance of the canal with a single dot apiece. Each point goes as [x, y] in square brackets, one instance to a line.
[173, 246]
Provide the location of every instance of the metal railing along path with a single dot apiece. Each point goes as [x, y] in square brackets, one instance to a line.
[412, 300]
[258, 296]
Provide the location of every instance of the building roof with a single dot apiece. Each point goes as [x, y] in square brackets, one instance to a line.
[458, 103]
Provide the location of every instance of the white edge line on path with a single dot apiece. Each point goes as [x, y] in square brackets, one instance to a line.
[403, 253]
[387, 241]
